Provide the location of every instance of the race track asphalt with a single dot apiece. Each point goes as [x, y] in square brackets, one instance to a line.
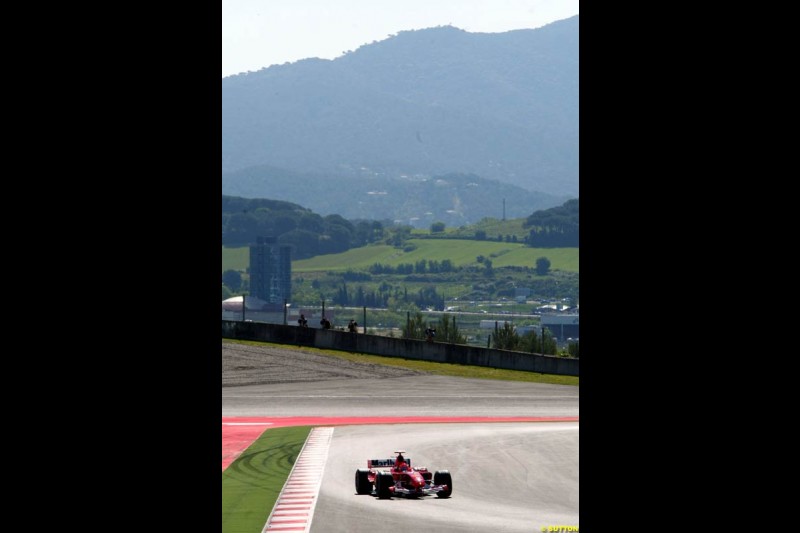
[507, 477]
[511, 478]
[423, 395]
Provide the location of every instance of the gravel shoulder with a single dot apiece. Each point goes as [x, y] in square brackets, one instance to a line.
[252, 365]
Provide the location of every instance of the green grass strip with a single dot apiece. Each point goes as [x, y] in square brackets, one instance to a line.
[442, 369]
[251, 484]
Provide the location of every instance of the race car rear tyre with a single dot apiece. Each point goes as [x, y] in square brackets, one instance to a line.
[383, 480]
[363, 486]
[442, 477]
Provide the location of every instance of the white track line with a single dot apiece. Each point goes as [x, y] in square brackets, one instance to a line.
[295, 505]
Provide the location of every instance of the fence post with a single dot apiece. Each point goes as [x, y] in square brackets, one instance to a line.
[365, 320]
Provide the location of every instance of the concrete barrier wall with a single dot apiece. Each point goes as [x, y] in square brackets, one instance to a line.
[410, 349]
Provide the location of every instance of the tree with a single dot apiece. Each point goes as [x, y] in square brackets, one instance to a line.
[506, 337]
[226, 292]
[530, 342]
[574, 349]
[437, 227]
[549, 345]
[415, 327]
[542, 266]
[233, 279]
[447, 331]
[480, 235]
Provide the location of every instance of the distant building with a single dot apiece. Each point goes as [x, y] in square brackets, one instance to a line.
[490, 324]
[252, 309]
[562, 326]
[522, 330]
[271, 271]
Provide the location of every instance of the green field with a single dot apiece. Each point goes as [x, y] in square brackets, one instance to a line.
[235, 258]
[252, 483]
[460, 252]
[492, 226]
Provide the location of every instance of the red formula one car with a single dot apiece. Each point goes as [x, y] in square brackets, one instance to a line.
[401, 479]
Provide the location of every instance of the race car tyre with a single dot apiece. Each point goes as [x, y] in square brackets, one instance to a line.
[383, 480]
[442, 477]
[363, 486]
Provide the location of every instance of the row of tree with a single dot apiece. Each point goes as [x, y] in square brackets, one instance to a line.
[420, 267]
[507, 338]
[424, 297]
[446, 329]
[504, 338]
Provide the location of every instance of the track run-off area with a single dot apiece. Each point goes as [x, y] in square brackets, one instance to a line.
[511, 447]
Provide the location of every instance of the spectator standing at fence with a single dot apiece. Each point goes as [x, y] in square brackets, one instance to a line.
[430, 333]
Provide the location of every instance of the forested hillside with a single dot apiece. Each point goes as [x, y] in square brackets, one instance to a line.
[555, 227]
[244, 220]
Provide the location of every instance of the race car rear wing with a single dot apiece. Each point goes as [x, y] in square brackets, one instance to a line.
[377, 463]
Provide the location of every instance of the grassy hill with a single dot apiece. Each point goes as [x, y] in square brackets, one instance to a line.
[460, 252]
[492, 226]
[235, 258]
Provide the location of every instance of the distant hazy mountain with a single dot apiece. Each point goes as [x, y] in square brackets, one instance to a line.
[502, 106]
[455, 199]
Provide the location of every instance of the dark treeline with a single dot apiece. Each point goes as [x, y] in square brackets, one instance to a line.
[557, 227]
[244, 220]
[420, 267]
[423, 298]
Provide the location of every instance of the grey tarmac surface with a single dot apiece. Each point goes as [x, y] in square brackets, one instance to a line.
[511, 478]
[507, 477]
[243, 364]
[277, 382]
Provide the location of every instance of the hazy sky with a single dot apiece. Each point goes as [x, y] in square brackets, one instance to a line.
[260, 33]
